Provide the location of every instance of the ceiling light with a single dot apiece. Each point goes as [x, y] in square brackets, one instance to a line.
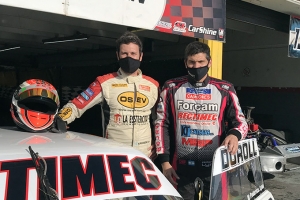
[75, 37]
[9, 48]
[294, 1]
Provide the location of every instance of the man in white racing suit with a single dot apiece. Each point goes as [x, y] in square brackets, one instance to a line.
[126, 97]
[190, 122]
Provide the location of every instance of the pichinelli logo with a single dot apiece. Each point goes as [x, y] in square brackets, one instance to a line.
[140, 1]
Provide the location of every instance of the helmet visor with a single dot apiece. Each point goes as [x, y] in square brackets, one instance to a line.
[39, 92]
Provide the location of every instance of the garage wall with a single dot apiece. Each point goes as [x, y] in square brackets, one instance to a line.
[260, 59]
[256, 62]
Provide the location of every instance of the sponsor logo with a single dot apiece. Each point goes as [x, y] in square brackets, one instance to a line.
[165, 25]
[202, 30]
[65, 113]
[295, 149]
[86, 97]
[144, 87]
[197, 116]
[89, 91]
[195, 142]
[198, 84]
[186, 131]
[182, 162]
[159, 107]
[206, 163]
[191, 163]
[199, 123]
[131, 119]
[226, 87]
[117, 118]
[93, 84]
[221, 33]
[172, 85]
[198, 94]
[127, 99]
[119, 85]
[246, 152]
[80, 99]
[179, 26]
[197, 106]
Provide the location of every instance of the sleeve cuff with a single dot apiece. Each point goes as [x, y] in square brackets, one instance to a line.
[235, 133]
[163, 158]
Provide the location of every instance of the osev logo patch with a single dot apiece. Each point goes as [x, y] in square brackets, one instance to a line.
[127, 99]
[65, 113]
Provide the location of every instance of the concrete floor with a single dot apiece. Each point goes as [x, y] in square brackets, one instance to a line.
[283, 186]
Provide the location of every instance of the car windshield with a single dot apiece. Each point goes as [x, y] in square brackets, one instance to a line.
[240, 183]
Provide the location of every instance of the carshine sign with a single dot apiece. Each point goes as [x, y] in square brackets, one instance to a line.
[193, 18]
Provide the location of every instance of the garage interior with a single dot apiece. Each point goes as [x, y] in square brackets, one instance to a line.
[254, 59]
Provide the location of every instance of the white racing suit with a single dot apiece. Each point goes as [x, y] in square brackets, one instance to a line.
[126, 103]
[190, 126]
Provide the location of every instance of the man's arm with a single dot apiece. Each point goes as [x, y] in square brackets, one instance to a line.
[85, 100]
[238, 122]
[153, 117]
[162, 134]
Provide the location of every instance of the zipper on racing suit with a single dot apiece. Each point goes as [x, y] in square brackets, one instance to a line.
[134, 100]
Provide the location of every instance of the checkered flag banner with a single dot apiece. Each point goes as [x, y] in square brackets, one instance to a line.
[194, 18]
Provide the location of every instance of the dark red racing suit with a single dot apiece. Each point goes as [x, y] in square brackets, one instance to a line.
[190, 124]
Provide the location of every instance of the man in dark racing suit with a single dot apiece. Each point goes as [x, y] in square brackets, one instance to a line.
[190, 123]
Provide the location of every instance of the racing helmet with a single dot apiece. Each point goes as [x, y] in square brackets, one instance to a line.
[34, 105]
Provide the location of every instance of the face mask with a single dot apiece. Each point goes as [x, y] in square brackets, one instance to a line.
[129, 65]
[197, 73]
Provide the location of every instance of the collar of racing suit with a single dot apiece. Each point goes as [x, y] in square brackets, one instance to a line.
[198, 84]
[128, 78]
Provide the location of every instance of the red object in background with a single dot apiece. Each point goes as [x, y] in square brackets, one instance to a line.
[253, 127]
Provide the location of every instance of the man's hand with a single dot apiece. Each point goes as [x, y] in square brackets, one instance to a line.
[153, 153]
[169, 172]
[231, 142]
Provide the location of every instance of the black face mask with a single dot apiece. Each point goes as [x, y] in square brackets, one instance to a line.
[129, 65]
[197, 73]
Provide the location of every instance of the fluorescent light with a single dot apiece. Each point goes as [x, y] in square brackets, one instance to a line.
[294, 1]
[72, 38]
[11, 48]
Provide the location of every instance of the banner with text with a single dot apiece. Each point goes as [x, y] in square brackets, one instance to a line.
[294, 37]
[194, 18]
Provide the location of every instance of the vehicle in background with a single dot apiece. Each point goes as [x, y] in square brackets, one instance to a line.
[276, 154]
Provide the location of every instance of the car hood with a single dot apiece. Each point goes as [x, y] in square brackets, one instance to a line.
[80, 166]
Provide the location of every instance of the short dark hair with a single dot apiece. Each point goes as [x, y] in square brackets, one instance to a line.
[129, 37]
[196, 47]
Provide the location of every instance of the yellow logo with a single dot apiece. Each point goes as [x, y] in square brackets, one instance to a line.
[118, 85]
[65, 113]
[127, 99]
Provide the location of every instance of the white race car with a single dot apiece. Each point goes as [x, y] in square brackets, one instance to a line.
[80, 166]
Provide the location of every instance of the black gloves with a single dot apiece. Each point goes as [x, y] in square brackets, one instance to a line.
[59, 125]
